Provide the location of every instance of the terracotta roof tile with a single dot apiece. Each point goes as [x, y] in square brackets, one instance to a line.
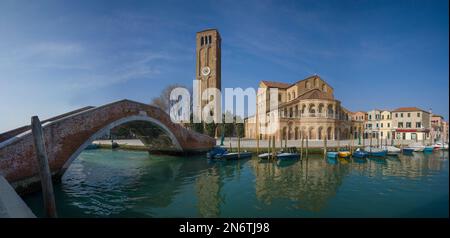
[271, 84]
[275, 84]
[408, 109]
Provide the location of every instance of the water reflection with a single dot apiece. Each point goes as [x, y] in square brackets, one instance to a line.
[134, 184]
[309, 183]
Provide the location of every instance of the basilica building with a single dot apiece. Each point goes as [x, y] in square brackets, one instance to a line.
[306, 109]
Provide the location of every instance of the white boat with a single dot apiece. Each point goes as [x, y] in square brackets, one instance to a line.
[440, 146]
[392, 150]
[417, 147]
[375, 151]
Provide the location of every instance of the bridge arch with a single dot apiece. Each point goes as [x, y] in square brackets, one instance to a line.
[67, 136]
[117, 123]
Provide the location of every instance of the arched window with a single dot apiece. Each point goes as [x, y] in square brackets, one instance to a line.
[202, 41]
[209, 40]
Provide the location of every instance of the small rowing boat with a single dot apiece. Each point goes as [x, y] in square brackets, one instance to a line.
[332, 155]
[290, 154]
[392, 150]
[360, 154]
[233, 156]
[344, 154]
[408, 151]
[378, 152]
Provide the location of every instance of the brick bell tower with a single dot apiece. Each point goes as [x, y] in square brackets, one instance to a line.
[208, 63]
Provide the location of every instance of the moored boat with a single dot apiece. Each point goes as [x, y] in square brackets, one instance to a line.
[440, 146]
[392, 150]
[286, 156]
[428, 149]
[291, 153]
[264, 156]
[417, 147]
[233, 155]
[344, 154]
[360, 154]
[332, 155]
[378, 152]
[408, 151]
[217, 150]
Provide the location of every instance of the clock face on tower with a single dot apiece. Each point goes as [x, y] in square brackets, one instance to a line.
[206, 71]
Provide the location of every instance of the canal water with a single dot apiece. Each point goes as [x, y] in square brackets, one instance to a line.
[106, 183]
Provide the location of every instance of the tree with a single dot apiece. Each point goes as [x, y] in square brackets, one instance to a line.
[163, 100]
[197, 127]
[239, 126]
[210, 129]
[228, 127]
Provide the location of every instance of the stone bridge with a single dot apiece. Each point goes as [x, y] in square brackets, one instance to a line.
[67, 135]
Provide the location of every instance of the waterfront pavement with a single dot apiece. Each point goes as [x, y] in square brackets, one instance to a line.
[251, 143]
[11, 205]
[132, 142]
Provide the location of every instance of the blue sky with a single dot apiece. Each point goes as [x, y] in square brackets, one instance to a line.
[57, 56]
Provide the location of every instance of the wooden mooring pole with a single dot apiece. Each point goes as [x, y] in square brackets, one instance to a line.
[351, 143]
[307, 138]
[273, 148]
[325, 147]
[301, 148]
[285, 142]
[239, 146]
[44, 168]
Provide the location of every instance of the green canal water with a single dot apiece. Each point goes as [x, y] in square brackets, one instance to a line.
[106, 183]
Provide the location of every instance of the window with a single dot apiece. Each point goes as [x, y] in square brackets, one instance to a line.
[370, 117]
[396, 114]
[409, 114]
[400, 125]
[382, 117]
[202, 41]
[408, 125]
[381, 134]
[418, 114]
[401, 114]
[377, 125]
[418, 124]
[381, 125]
[209, 39]
[279, 97]
[389, 125]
